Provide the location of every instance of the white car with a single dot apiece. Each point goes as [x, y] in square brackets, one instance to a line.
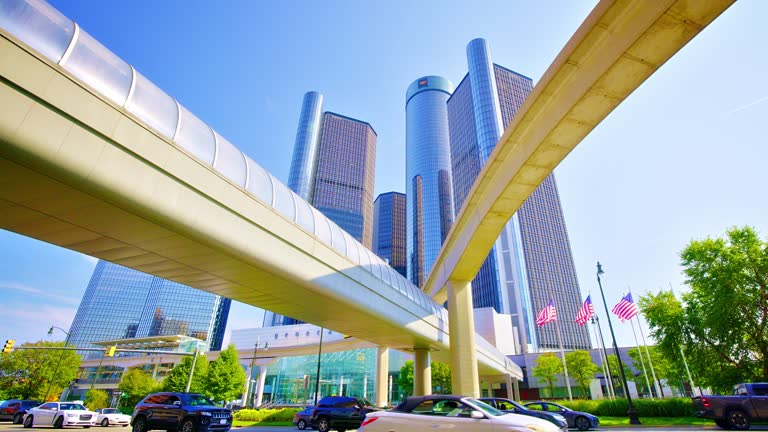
[60, 414]
[421, 413]
[112, 416]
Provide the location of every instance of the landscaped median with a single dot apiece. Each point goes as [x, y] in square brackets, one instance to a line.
[265, 417]
[652, 412]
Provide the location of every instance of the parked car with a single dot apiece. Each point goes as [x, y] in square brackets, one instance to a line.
[14, 409]
[302, 418]
[112, 416]
[438, 412]
[60, 414]
[339, 413]
[576, 419]
[510, 406]
[182, 412]
[747, 404]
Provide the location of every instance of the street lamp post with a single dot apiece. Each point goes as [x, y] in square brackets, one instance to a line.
[61, 357]
[319, 354]
[633, 417]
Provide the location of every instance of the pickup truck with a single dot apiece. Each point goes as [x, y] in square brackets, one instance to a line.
[749, 403]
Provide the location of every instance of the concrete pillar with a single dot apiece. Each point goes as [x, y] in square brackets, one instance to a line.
[517, 390]
[260, 386]
[464, 379]
[510, 389]
[382, 373]
[422, 373]
[246, 392]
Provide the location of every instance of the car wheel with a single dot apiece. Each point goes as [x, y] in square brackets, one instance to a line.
[17, 419]
[722, 423]
[323, 425]
[105, 422]
[59, 422]
[28, 421]
[188, 426]
[139, 424]
[302, 424]
[582, 423]
[738, 419]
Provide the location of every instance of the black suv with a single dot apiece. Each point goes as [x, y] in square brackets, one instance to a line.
[339, 413]
[183, 412]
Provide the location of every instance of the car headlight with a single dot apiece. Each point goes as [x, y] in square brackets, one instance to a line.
[205, 413]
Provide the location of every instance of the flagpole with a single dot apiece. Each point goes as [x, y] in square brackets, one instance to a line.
[682, 354]
[659, 390]
[565, 366]
[603, 362]
[605, 354]
[642, 362]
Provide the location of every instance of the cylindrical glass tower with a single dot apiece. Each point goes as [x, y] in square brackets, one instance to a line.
[301, 179]
[429, 196]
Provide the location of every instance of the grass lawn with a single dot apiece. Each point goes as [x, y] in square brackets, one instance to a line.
[245, 423]
[656, 421]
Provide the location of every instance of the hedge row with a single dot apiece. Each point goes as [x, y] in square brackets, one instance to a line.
[674, 407]
[267, 415]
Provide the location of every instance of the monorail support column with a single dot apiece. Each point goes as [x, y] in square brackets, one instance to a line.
[422, 372]
[260, 385]
[382, 373]
[464, 378]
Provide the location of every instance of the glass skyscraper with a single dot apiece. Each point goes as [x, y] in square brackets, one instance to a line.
[531, 261]
[389, 229]
[333, 168]
[122, 303]
[429, 196]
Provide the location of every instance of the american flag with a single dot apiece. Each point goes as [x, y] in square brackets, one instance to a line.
[586, 312]
[626, 308]
[547, 314]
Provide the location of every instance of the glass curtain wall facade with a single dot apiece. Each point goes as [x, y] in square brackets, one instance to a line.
[389, 229]
[429, 194]
[304, 163]
[531, 261]
[121, 303]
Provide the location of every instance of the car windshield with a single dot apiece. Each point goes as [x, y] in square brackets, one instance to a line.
[485, 407]
[198, 400]
[111, 411]
[71, 406]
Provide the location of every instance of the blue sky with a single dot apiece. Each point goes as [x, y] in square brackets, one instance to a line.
[682, 158]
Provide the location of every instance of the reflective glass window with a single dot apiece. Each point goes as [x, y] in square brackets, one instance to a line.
[196, 137]
[39, 25]
[322, 231]
[259, 181]
[351, 247]
[153, 106]
[304, 214]
[100, 68]
[229, 160]
[338, 238]
[283, 199]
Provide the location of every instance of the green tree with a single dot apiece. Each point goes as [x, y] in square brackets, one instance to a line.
[722, 322]
[581, 369]
[176, 380]
[28, 373]
[440, 374]
[548, 367]
[405, 379]
[135, 384]
[226, 378]
[96, 399]
[613, 363]
[663, 367]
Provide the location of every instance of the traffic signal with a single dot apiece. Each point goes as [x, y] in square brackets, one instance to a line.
[8, 346]
[110, 351]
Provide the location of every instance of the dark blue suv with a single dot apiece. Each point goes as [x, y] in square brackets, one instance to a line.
[183, 412]
[340, 413]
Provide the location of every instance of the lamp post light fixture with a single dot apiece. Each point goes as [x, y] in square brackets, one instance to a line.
[632, 412]
[61, 357]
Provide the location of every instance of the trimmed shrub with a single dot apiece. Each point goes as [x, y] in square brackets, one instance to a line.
[267, 415]
[673, 407]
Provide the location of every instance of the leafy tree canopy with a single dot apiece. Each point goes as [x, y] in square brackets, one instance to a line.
[135, 385]
[176, 380]
[548, 367]
[28, 373]
[441, 378]
[96, 399]
[226, 377]
[721, 322]
[581, 368]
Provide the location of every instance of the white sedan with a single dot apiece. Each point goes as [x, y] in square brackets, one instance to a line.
[60, 414]
[420, 413]
[112, 416]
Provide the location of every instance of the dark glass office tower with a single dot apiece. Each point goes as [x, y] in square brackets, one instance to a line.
[389, 229]
[333, 168]
[122, 303]
[531, 261]
[429, 196]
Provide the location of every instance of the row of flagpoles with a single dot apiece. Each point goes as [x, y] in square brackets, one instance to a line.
[625, 310]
